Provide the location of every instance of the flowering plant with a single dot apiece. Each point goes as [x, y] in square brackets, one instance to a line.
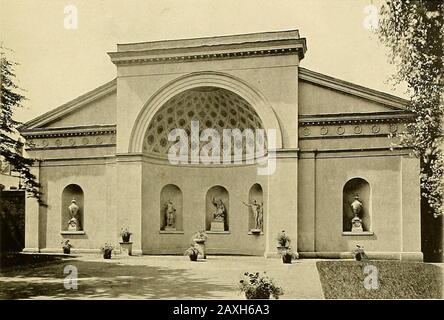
[259, 286]
[107, 247]
[125, 232]
[283, 239]
[200, 235]
[66, 244]
[193, 250]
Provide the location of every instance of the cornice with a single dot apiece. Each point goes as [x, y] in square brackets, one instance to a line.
[41, 133]
[356, 118]
[211, 48]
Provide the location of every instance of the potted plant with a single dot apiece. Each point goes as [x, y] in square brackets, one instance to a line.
[259, 286]
[192, 252]
[66, 246]
[287, 255]
[199, 239]
[125, 234]
[359, 254]
[283, 240]
[107, 249]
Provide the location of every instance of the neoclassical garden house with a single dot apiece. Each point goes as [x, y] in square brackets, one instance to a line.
[328, 139]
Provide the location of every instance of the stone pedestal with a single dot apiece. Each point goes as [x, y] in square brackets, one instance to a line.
[170, 229]
[357, 225]
[201, 245]
[217, 226]
[126, 248]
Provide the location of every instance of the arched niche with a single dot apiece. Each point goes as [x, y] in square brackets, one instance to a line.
[171, 204]
[356, 187]
[216, 196]
[255, 208]
[72, 217]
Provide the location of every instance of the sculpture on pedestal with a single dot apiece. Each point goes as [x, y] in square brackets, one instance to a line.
[170, 216]
[73, 223]
[356, 207]
[218, 223]
[257, 210]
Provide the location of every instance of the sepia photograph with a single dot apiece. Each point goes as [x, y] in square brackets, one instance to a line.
[221, 151]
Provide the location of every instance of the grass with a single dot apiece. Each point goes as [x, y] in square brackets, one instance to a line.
[396, 280]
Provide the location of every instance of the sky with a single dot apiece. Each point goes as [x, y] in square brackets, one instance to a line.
[59, 64]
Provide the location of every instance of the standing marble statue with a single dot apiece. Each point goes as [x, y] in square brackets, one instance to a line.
[356, 207]
[73, 223]
[257, 214]
[170, 215]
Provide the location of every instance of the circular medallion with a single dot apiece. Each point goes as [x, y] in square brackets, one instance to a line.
[357, 129]
[58, 142]
[71, 142]
[393, 128]
[340, 130]
[306, 131]
[375, 128]
[85, 141]
[324, 131]
[45, 143]
[99, 140]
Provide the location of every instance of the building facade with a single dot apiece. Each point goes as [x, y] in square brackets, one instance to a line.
[328, 143]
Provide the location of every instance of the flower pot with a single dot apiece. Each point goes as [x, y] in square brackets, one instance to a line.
[126, 238]
[257, 295]
[201, 245]
[66, 250]
[107, 254]
[286, 258]
[193, 257]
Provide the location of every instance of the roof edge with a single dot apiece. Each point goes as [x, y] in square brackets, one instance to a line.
[70, 106]
[389, 100]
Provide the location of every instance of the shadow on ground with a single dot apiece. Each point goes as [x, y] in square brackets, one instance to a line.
[117, 281]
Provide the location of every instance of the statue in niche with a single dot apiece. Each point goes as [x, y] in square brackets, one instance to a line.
[221, 211]
[258, 213]
[356, 207]
[170, 215]
[73, 223]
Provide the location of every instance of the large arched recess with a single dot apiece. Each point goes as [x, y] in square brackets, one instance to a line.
[203, 79]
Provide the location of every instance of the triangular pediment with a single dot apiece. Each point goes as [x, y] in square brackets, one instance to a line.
[96, 107]
[321, 94]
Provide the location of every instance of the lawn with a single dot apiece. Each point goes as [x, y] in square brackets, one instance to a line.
[396, 280]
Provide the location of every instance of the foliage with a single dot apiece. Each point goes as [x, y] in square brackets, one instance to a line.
[413, 31]
[125, 232]
[193, 250]
[11, 147]
[257, 286]
[200, 235]
[283, 239]
[107, 247]
[359, 253]
[66, 244]
[287, 252]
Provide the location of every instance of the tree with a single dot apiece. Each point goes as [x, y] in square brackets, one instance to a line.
[11, 147]
[413, 31]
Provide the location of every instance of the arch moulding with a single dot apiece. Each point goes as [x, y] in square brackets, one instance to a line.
[199, 79]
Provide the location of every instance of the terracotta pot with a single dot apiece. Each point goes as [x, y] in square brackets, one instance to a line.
[193, 257]
[286, 258]
[66, 250]
[126, 238]
[257, 295]
[107, 254]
